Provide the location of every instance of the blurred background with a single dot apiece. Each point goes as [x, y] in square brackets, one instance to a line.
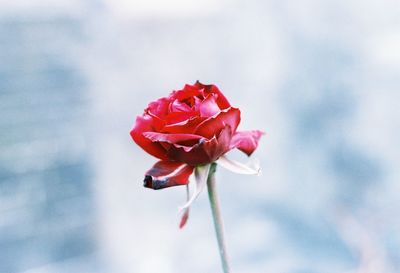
[322, 78]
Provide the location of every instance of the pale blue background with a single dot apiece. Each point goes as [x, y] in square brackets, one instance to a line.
[322, 78]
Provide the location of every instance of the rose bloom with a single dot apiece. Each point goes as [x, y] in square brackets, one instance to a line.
[191, 127]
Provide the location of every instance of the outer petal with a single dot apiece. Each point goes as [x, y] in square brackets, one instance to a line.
[167, 174]
[246, 141]
[205, 151]
[143, 124]
[209, 127]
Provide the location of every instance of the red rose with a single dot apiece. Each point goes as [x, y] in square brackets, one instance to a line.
[193, 126]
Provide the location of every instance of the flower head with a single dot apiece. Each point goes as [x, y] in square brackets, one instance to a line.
[190, 128]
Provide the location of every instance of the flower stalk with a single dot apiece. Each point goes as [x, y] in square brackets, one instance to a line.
[217, 217]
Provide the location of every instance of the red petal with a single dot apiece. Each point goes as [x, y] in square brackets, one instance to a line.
[158, 108]
[173, 138]
[188, 91]
[187, 126]
[211, 88]
[246, 141]
[204, 152]
[184, 218]
[167, 174]
[143, 124]
[178, 117]
[213, 125]
[177, 106]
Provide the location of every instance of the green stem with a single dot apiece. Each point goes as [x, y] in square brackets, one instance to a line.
[216, 213]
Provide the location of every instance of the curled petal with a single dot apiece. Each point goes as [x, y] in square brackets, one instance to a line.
[201, 175]
[237, 167]
[167, 174]
[221, 146]
[216, 123]
[143, 124]
[158, 108]
[212, 89]
[246, 141]
[172, 138]
[208, 107]
[206, 151]
[188, 92]
[177, 106]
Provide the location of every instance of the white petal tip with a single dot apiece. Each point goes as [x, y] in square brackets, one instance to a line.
[252, 168]
[201, 175]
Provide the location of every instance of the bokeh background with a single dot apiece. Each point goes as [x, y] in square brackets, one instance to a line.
[322, 78]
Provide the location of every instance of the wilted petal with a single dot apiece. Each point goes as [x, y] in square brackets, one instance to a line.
[205, 151]
[246, 141]
[185, 214]
[201, 175]
[185, 217]
[167, 174]
[193, 155]
[253, 167]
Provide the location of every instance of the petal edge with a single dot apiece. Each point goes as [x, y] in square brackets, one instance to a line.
[166, 174]
[246, 141]
[144, 123]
